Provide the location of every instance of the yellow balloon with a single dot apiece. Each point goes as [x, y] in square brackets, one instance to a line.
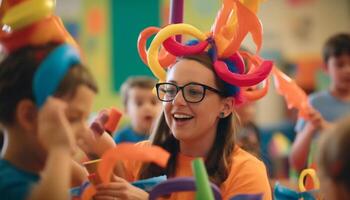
[312, 174]
[162, 35]
[28, 12]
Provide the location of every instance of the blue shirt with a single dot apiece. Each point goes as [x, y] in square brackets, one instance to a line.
[329, 106]
[15, 184]
[129, 135]
[331, 110]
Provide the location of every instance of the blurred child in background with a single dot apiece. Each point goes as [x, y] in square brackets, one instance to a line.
[328, 105]
[141, 105]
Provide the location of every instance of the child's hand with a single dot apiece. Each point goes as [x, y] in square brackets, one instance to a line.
[54, 130]
[97, 126]
[119, 189]
[97, 141]
[317, 122]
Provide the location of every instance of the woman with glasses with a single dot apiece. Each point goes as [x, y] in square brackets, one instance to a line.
[197, 121]
[199, 92]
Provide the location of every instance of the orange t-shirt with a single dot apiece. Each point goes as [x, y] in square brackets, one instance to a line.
[247, 175]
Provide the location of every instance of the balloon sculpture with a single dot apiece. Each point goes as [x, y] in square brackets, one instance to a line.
[31, 22]
[281, 192]
[233, 22]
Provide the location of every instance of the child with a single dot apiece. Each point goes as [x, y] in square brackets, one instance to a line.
[334, 162]
[329, 105]
[196, 122]
[41, 131]
[141, 105]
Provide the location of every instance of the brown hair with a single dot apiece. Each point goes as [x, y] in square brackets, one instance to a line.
[334, 158]
[143, 82]
[336, 45]
[16, 75]
[218, 161]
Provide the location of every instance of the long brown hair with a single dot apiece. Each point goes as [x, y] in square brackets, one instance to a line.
[218, 161]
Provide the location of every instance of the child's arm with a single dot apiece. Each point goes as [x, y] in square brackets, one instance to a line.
[300, 148]
[57, 137]
[55, 179]
[301, 145]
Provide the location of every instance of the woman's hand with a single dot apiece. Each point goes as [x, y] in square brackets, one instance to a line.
[119, 189]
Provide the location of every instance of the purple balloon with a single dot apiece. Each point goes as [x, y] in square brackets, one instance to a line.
[182, 184]
[176, 14]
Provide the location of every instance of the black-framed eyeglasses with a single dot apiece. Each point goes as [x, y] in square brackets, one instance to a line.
[192, 92]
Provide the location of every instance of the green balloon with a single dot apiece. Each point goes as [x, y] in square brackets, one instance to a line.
[204, 191]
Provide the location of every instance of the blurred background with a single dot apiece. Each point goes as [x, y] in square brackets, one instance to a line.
[294, 32]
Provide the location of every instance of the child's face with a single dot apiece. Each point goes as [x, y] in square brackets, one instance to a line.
[339, 70]
[78, 110]
[143, 107]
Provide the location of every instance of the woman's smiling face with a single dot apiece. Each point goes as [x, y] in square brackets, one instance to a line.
[192, 121]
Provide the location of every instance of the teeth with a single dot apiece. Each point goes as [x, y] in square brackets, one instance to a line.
[180, 116]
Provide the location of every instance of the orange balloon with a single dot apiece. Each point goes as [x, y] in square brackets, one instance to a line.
[130, 151]
[256, 93]
[247, 22]
[222, 17]
[50, 29]
[113, 120]
[165, 59]
[126, 151]
[293, 94]
[253, 5]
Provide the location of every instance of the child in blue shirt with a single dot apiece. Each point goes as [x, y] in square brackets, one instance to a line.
[329, 105]
[46, 94]
[141, 106]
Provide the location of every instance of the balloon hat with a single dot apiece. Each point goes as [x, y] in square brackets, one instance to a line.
[233, 22]
[32, 23]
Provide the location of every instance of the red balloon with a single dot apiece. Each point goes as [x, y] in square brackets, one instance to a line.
[243, 80]
[165, 59]
[179, 49]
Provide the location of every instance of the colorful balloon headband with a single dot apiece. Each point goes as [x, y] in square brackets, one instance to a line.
[32, 23]
[52, 70]
[233, 22]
